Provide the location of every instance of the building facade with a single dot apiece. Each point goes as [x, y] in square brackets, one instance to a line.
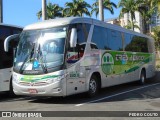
[155, 20]
[125, 21]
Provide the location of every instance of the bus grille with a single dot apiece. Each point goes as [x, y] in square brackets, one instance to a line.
[33, 83]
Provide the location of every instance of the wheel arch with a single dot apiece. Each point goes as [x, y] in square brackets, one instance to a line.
[143, 69]
[98, 75]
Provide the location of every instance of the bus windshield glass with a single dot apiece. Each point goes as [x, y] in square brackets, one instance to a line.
[40, 50]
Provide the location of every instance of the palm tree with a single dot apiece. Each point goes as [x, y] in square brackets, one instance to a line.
[53, 11]
[128, 6]
[129, 25]
[158, 6]
[156, 36]
[106, 5]
[76, 8]
[146, 9]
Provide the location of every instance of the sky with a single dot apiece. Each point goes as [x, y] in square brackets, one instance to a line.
[23, 12]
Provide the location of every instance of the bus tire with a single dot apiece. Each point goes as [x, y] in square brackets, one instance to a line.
[142, 80]
[11, 92]
[93, 86]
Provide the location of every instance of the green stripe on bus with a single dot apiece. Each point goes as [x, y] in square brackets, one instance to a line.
[123, 62]
[36, 78]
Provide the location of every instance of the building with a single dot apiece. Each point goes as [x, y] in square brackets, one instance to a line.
[155, 20]
[125, 20]
[116, 21]
[113, 21]
[137, 21]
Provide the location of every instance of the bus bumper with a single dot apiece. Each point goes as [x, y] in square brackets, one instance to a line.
[53, 89]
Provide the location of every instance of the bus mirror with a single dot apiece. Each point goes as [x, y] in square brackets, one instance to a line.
[73, 38]
[7, 40]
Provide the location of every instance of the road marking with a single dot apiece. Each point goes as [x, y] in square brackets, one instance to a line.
[100, 99]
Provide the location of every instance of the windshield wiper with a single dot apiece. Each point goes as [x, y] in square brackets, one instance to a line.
[44, 67]
[27, 57]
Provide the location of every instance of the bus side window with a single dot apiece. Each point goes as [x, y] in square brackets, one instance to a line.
[16, 31]
[100, 38]
[115, 40]
[75, 54]
[6, 58]
[137, 44]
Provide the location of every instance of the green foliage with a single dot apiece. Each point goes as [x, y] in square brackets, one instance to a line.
[157, 66]
[76, 8]
[156, 36]
[53, 11]
[158, 6]
[147, 8]
[107, 4]
[128, 6]
[129, 25]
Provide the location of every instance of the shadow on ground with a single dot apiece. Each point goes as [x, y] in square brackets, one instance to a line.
[142, 94]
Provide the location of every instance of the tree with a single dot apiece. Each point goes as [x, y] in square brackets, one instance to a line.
[158, 6]
[128, 6]
[156, 36]
[129, 25]
[76, 8]
[107, 5]
[53, 11]
[146, 9]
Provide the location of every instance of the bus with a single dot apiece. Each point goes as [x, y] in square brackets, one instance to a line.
[6, 59]
[66, 56]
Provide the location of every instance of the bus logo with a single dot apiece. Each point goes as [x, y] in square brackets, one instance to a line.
[35, 64]
[107, 63]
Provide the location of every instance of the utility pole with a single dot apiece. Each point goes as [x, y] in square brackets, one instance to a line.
[1, 11]
[101, 12]
[44, 10]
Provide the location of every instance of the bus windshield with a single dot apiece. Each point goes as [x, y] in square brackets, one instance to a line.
[40, 50]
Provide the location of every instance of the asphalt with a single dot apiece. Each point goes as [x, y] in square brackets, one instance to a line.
[129, 97]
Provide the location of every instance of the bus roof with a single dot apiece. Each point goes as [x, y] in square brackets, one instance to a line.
[71, 20]
[9, 25]
[57, 22]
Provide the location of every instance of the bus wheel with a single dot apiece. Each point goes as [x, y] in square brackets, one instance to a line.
[142, 77]
[11, 93]
[93, 86]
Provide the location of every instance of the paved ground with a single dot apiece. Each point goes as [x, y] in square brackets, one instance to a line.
[127, 97]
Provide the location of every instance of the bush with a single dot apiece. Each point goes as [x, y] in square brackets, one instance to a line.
[157, 66]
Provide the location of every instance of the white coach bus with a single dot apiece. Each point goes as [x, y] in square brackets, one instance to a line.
[6, 59]
[66, 56]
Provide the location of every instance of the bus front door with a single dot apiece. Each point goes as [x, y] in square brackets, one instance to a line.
[76, 80]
